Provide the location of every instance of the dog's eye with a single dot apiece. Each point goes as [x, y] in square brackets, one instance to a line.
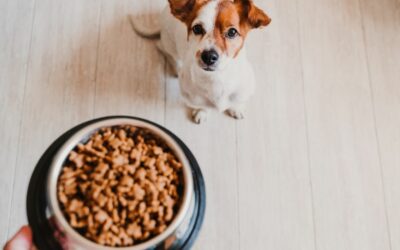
[232, 33]
[198, 29]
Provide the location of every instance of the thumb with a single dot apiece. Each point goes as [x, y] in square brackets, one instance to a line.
[22, 240]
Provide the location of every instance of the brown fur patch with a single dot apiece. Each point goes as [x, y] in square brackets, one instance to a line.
[186, 10]
[242, 15]
[228, 17]
[251, 14]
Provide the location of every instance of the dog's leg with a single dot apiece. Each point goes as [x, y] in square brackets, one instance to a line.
[171, 61]
[236, 112]
[199, 115]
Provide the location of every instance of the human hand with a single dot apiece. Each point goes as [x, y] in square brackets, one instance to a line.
[22, 240]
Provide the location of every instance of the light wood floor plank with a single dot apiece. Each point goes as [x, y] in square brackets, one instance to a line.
[130, 74]
[345, 169]
[213, 144]
[382, 37]
[15, 37]
[275, 200]
[60, 84]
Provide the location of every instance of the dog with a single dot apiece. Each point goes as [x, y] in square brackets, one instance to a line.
[203, 41]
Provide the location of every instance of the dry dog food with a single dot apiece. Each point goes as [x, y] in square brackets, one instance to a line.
[120, 188]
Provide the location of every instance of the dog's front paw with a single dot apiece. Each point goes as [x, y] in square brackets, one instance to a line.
[199, 116]
[235, 113]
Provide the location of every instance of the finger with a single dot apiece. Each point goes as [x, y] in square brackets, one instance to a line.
[22, 240]
[58, 234]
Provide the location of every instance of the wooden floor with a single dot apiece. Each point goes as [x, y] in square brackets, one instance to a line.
[314, 165]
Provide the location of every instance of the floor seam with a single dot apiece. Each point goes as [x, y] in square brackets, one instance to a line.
[165, 90]
[307, 128]
[378, 146]
[22, 117]
[237, 182]
[97, 58]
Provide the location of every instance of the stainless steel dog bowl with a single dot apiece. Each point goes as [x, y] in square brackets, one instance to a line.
[181, 232]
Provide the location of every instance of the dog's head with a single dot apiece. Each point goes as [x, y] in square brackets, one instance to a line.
[217, 28]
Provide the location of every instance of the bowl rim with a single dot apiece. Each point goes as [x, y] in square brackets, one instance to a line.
[82, 135]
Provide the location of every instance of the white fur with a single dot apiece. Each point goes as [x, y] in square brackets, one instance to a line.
[207, 16]
[225, 89]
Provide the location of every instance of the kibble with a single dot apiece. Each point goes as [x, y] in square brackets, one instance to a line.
[122, 187]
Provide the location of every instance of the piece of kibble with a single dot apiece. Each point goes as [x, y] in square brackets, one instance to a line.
[140, 174]
[138, 192]
[126, 181]
[120, 188]
[134, 230]
[101, 216]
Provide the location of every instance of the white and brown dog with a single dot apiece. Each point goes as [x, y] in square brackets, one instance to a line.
[203, 41]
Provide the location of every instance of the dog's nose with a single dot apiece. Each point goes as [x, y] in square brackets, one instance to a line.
[209, 57]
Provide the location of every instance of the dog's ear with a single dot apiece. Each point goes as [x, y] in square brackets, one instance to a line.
[182, 9]
[254, 16]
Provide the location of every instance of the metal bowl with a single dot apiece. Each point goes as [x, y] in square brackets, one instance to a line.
[74, 240]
